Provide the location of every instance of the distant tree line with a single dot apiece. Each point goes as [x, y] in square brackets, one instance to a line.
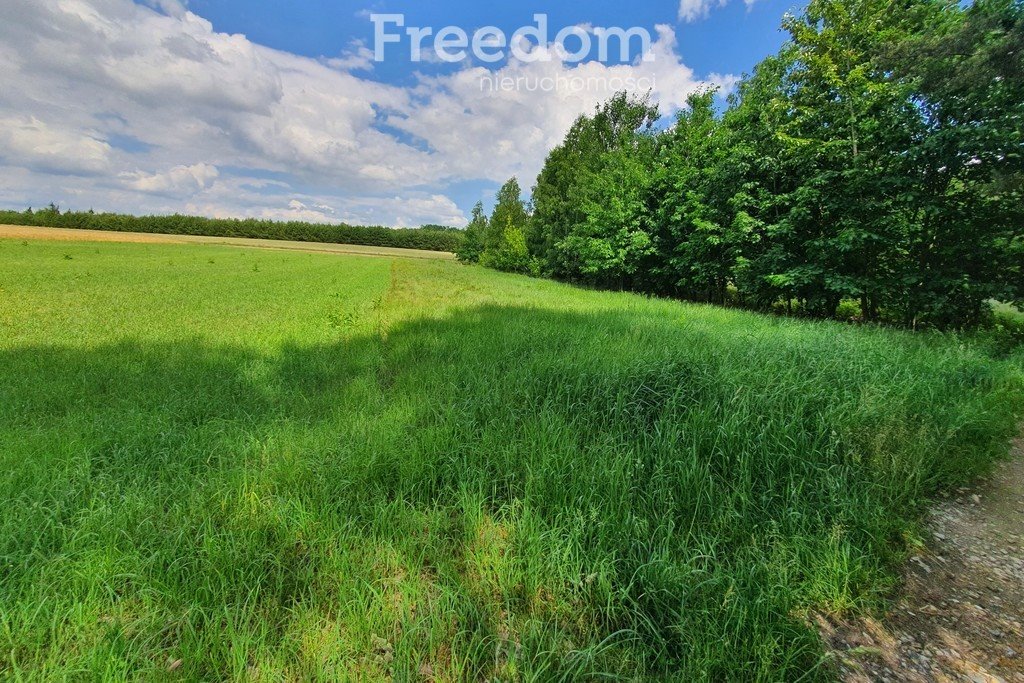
[428, 238]
[871, 169]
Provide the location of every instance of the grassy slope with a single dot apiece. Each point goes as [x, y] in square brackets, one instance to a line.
[275, 465]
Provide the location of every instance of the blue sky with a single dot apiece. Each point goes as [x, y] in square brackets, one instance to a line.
[731, 39]
[277, 110]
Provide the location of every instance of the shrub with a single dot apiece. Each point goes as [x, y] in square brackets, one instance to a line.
[510, 254]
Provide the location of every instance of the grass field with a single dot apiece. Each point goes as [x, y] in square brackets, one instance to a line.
[221, 463]
[26, 232]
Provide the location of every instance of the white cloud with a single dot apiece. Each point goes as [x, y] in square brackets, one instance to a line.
[405, 210]
[180, 180]
[692, 10]
[416, 210]
[357, 58]
[496, 134]
[112, 104]
[34, 144]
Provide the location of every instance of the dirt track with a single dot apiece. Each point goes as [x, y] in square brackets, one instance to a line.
[961, 617]
[68, 235]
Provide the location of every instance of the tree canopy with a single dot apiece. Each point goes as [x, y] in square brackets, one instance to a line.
[873, 167]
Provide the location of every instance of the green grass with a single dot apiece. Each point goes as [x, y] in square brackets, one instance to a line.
[1004, 336]
[282, 466]
[1008, 311]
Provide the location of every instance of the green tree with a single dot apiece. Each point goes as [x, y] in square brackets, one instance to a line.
[509, 253]
[881, 173]
[510, 210]
[505, 235]
[609, 244]
[697, 243]
[476, 232]
[760, 174]
[556, 209]
[849, 124]
[877, 158]
[965, 68]
[591, 215]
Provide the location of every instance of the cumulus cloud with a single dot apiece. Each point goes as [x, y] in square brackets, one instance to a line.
[147, 108]
[495, 132]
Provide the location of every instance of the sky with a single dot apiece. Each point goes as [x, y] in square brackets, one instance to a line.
[281, 110]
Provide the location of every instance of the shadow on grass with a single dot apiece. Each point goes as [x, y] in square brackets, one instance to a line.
[504, 492]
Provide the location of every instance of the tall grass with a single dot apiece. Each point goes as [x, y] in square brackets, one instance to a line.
[258, 466]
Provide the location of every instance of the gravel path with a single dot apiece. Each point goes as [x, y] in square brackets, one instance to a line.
[963, 607]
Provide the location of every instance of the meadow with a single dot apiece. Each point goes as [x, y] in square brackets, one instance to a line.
[230, 464]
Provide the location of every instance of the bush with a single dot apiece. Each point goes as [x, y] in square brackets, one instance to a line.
[510, 254]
